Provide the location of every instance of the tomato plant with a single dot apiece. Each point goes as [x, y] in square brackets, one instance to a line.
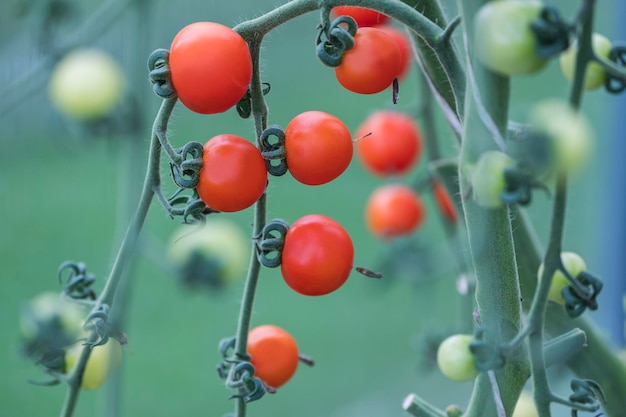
[574, 265]
[86, 84]
[594, 74]
[372, 64]
[103, 360]
[215, 254]
[445, 203]
[487, 178]
[317, 256]
[394, 210]
[361, 15]
[273, 353]
[388, 143]
[318, 147]
[504, 40]
[404, 44]
[211, 67]
[455, 359]
[233, 174]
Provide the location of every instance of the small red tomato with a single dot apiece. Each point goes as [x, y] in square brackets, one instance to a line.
[372, 64]
[403, 42]
[273, 353]
[211, 67]
[389, 143]
[394, 210]
[233, 174]
[362, 15]
[317, 256]
[318, 147]
[445, 203]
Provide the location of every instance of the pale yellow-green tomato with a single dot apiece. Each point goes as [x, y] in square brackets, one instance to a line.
[46, 308]
[487, 178]
[525, 406]
[455, 359]
[219, 240]
[103, 360]
[574, 264]
[594, 74]
[86, 84]
[569, 131]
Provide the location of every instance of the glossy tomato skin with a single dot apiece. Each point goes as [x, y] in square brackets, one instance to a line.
[404, 44]
[488, 180]
[444, 202]
[372, 65]
[211, 67]
[317, 256]
[361, 15]
[388, 143]
[594, 74]
[273, 353]
[318, 147]
[455, 359]
[574, 265]
[233, 174]
[394, 210]
[504, 40]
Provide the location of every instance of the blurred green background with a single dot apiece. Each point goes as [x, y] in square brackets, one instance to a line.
[65, 197]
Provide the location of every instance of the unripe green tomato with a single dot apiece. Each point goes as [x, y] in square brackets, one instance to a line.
[220, 242]
[574, 264]
[594, 74]
[504, 40]
[568, 129]
[525, 406]
[51, 317]
[455, 359]
[103, 360]
[86, 84]
[487, 178]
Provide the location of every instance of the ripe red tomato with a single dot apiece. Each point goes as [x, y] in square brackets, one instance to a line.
[403, 42]
[273, 353]
[372, 64]
[233, 174]
[394, 210]
[318, 147]
[317, 256]
[445, 202]
[362, 15]
[211, 67]
[393, 145]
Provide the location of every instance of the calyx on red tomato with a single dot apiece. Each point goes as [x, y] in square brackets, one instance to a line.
[317, 256]
[233, 174]
[211, 67]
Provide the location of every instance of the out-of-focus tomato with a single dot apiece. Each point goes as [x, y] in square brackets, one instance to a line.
[103, 360]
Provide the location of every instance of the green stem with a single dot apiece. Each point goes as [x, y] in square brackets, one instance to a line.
[127, 248]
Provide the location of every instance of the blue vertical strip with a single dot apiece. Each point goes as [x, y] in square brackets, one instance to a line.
[611, 248]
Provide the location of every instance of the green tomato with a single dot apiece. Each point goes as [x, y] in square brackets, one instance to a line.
[569, 131]
[594, 74]
[103, 360]
[487, 178]
[86, 84]
[525, 406]
[213, 254]
[574, 264]
[504, 40]
[50, 321]
[455, 359]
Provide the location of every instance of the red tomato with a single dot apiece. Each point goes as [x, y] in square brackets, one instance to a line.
[393, 145]
[394, 210]
[211, 67]
[372, 64]
[273, 353]
[318, 147]
[233, 174]
[445, 203]
[362, 15]
[403, 42]
[317, 256]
